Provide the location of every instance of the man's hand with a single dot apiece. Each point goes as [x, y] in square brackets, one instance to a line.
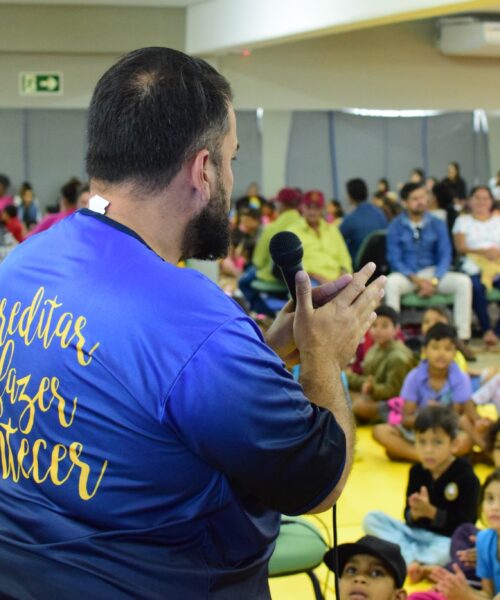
[334, 330]
[280, 335]
[426, 288]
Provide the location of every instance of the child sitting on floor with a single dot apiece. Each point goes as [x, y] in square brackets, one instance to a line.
[384, 368]
[453, 585]
[370, 568]
[436, 380]
[442, 494]
[475, 425]
[440, 314]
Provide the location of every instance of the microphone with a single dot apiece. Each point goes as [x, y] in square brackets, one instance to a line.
[287, 252]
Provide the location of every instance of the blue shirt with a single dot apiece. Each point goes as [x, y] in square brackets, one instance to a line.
[488, 565]
[408, 252]
[456, 390]
[364, 219]
[146, 430]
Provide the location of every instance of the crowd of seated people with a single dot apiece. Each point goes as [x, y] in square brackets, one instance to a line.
[21, 215]
[418, 394]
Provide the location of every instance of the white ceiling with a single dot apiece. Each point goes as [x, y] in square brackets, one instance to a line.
[137, 3]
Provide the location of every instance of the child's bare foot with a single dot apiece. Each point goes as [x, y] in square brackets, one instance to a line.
[415, 572]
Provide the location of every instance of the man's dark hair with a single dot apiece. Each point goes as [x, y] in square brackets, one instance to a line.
[152, 110]
[11, 210]
[441, 331]
[69, 191]
[357, 190]
[4, 181]
[434, 417]
[408, 189]
[389, 312]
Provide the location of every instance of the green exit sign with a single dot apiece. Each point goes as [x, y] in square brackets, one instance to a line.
[40, 84]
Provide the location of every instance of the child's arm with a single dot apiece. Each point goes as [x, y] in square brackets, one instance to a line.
[396, 371]
[409, 414]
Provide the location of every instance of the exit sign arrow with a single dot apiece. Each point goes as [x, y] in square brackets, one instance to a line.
[40, 84]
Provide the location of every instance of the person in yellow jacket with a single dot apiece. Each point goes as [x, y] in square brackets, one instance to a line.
[325, 253]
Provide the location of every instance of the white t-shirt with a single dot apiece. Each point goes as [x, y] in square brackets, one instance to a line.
[479, 234]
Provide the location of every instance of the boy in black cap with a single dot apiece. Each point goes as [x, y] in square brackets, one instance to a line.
[370, 569]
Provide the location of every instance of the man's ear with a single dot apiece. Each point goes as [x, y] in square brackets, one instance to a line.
[199, 172]
[400, 595]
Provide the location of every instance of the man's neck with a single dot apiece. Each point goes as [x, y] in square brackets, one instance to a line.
[150, 216]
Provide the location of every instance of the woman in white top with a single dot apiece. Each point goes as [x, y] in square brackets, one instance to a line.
[477, 239]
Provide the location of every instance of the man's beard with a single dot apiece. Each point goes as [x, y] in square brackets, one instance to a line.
[207, 235]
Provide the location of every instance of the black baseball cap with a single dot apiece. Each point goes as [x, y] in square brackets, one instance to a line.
[388, 553]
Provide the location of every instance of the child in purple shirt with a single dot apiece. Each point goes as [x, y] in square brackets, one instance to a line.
[436, 380]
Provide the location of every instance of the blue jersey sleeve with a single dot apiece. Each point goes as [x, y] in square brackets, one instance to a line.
[237, 408]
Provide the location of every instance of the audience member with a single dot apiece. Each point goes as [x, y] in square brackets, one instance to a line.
[383, 186]
[477, 240]
[456, 182]
[442, 494]
[5, 197]
[478, 427]
[7, 241]
[454, 585]
[325, 254]
[28, 206]
[385, 366]
[334, 212]
[288, 200]
[494, 185]
[83, 196]
[67, 206]
[11, 221]
[364, 218]
[440, 314]
[436, 380]
[371, 568]
[441, 205]
[417, 176]
[419, 254]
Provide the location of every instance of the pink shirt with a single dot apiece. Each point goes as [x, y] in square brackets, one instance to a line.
[5, 201]
[50, 220]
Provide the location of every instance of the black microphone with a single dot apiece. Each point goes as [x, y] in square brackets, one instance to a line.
[287, 252]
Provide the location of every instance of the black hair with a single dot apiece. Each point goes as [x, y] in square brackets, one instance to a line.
[408, 189]
[491, 435]
[434, 417]
[339, 211]
[483, 187]
[11, 210]
[444, 195]
[443, 311]
[441, 331]
[389, 312]
[457, 168]
[5, 181]
[419, 172]
[150, 112]
[357, 189]
[385, 183]
[492, 477]
[70, 191]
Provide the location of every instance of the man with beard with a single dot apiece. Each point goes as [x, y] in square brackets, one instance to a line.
[150, 436]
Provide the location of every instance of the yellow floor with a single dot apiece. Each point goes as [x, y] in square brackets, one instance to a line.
[374, 484]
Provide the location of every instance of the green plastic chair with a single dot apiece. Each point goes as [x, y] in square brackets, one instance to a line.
[300, 548]
[493, 295]
[413, 300]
